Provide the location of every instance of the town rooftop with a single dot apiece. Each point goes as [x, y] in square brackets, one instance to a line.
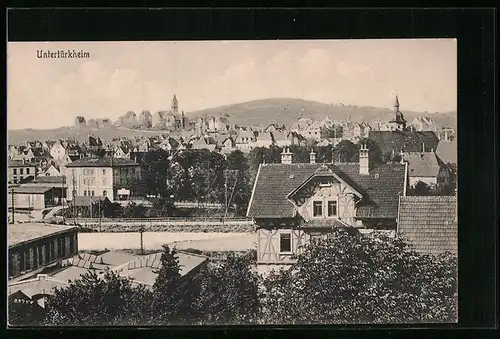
[22, 233]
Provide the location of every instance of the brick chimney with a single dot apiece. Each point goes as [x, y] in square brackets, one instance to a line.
[312, 157]
[286, 156]
[364, 164]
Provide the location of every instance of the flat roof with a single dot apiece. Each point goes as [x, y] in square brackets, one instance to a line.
[30, 189]
[23, 233]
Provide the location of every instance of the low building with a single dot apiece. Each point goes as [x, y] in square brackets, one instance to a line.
[101, 177]
[18, 171]
[429, 223]
[31, 198]
[33, 247]
[424, 167]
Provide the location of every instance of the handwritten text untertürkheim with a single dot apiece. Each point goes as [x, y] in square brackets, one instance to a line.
[62, 54]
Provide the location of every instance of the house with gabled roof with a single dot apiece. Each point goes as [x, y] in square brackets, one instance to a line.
[51, 171]
[12, 151]
[424, 167]
[281, 139]
[313, 131]
[121, 152]
[263, 139]
[429, 223]
[301, 125]
[245, 140]
[292, 203]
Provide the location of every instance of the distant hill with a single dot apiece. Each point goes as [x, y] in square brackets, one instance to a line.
[258, 112]
[287, 111]
[80, 133]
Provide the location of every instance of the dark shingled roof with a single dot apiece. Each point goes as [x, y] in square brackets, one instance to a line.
[400, 141]
[275, 181]
[429, 223]
[102, 162]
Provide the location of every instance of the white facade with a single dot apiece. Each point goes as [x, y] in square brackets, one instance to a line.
[57, 151]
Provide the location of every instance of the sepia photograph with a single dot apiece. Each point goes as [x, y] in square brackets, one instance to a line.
[232, 182]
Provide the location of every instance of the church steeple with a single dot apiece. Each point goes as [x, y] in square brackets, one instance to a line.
[396, 104]
[175, 104]
[399, 120]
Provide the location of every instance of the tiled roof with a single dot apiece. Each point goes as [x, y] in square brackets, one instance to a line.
[380, 189]
[399, 141]
[429, 223]
[102, 162]
[422, 164]
[447, 151]
[21, 233]
[19, 163]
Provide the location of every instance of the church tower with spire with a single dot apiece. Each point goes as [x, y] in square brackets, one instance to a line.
[175, 105]
[399, 123]
[396, 105]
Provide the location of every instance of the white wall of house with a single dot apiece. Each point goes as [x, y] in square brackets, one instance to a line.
[336, 201]
[90, 179]
[57, 151]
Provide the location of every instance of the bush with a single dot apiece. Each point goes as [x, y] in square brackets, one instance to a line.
[352, 278]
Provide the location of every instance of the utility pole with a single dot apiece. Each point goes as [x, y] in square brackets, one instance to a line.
[99, 215]
[13, 209]
[141, 230]
[225, 194]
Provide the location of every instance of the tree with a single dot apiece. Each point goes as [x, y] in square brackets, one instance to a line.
[98, 301]
[345, 151]
[300, 154]
[375, 156]
[171, 299]
[324, 154]
[155, 171]
[242, 187]
[420, 189]
[228, 294]
[352, 278]
[162, 207]
[133, 210]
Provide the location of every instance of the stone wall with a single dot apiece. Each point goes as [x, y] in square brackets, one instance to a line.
[196, 228]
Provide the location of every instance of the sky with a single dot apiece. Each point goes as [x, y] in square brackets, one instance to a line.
[136, 76]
